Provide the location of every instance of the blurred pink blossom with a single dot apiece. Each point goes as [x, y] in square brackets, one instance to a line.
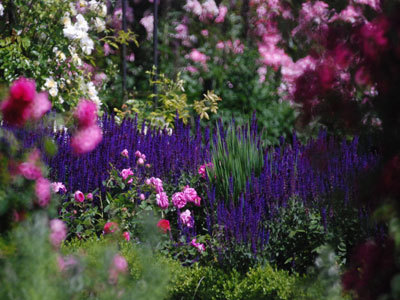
[42, 191]
[86, 113]
[86, 139]
[221, 14]
[58, 187]
[148, 24]
[58, 232]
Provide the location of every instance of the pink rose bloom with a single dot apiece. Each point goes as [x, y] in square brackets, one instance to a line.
[143, 156]
[57, 187]
[138, 154]
[202, 169]
[197, 56]
[110, 227]
[187, 219]
[221, 14]
[193, 6]
[79, 196]
[30, 171]
[142, 197]
[147, 166]
[119, 265]
[204, 32]
[125, 173]
[86, 113]
[179, 200]
[99, 78]
[107, 49]
[127, 236]
[157, 184]
[190, 194]
[64, 264]
[58, 232]
[192, 69]
[18, 108]
[200, 247]
[148, 24]
[147, 181]
[86, 140]
[220, 45]
[125, 153]
[40, 106]
[23, 89]
[131, 57]
[89, 196]
[140, 162]
[162, 200]
[42, 190]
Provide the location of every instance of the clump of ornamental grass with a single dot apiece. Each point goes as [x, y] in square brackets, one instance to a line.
[237, 154]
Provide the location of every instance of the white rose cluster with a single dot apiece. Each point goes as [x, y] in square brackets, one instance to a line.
[78, 31]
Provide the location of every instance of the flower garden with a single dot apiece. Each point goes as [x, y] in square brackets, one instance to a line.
[199, 149]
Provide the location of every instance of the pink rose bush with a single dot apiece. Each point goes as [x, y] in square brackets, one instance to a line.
[110, 227]
[43, 192]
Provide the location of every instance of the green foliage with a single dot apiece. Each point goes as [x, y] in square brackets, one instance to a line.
[295, 236]
[33, 270]
[234, 160]
[171, 100]
[261, 282]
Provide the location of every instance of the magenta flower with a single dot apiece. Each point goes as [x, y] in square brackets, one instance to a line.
[125, 153]
[58, 232]
[162, 200]
[40, 106]
[221, 14]
[86, 140]
[125, 173]
[79, 196]
[157, 184]
[110, 227]
[86, 113]
[197, 56]
[57, 187]
[200, 247]
[142, 197]
[179, 200]
[187, 218]
[119, 265]
[23, 89]
[42, 190]
[127, 236]
[30, 171]
[140, 162]
[190, 195]
[89, 196]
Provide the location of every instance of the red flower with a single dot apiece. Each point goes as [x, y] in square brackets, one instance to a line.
[110, 227]
[164, 225]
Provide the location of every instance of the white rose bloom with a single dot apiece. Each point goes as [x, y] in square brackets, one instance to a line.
[103, 10]
[81, 23]
[76, 59]
[72, 9]
[53, 91]
[66, 20]
[1, 10]
[61, 55]
[50, 83]
[99, 24]
[60, 100]
[71, 32]
[93, 4]
[87, 45]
